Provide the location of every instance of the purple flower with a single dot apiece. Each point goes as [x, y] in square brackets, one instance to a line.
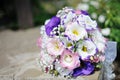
[54, 22]
[87, 70]
[84, 12]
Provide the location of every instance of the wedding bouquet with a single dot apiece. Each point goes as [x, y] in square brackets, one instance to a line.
[71, 44]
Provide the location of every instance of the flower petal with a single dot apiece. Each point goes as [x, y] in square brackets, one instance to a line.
[87, 70]
[54, 22]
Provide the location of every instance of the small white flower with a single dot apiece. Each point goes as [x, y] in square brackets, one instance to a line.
[105, 31]
[98, 39]
[83, 6]
[62, 71]
[90, 24]
[42, 30]
[80, 19]
[101, 18]
[67, 18]
[94, 15]
[66, 15]
[95, 4]
[86, 48]
[45, 59]
[75, 31]
[67, 43]
[64, 12]
[44, 40]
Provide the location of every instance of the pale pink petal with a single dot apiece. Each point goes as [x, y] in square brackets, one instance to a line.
[39, 42]
[71, 62]
[55, 47]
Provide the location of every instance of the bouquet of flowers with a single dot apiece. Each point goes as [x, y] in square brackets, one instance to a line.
[71, 44]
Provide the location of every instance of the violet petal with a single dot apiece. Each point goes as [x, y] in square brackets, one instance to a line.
[84, 12]
[87, 70]
[54, 22]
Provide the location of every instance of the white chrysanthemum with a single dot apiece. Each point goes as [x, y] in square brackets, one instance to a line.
[75, 31]
[89, 23]
[98, 39]
[86, 48]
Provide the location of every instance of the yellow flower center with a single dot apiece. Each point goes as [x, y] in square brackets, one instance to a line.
[68, 58]
[56, 46]
[69, 44]
[75, 32]
[84, 49]
[91, 58]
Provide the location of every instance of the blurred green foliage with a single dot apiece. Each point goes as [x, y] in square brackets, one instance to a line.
[39, 13]
[111, 10]
[45, 9]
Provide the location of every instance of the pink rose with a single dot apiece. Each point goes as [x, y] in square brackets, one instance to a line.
[55, 47]
[69, 60]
